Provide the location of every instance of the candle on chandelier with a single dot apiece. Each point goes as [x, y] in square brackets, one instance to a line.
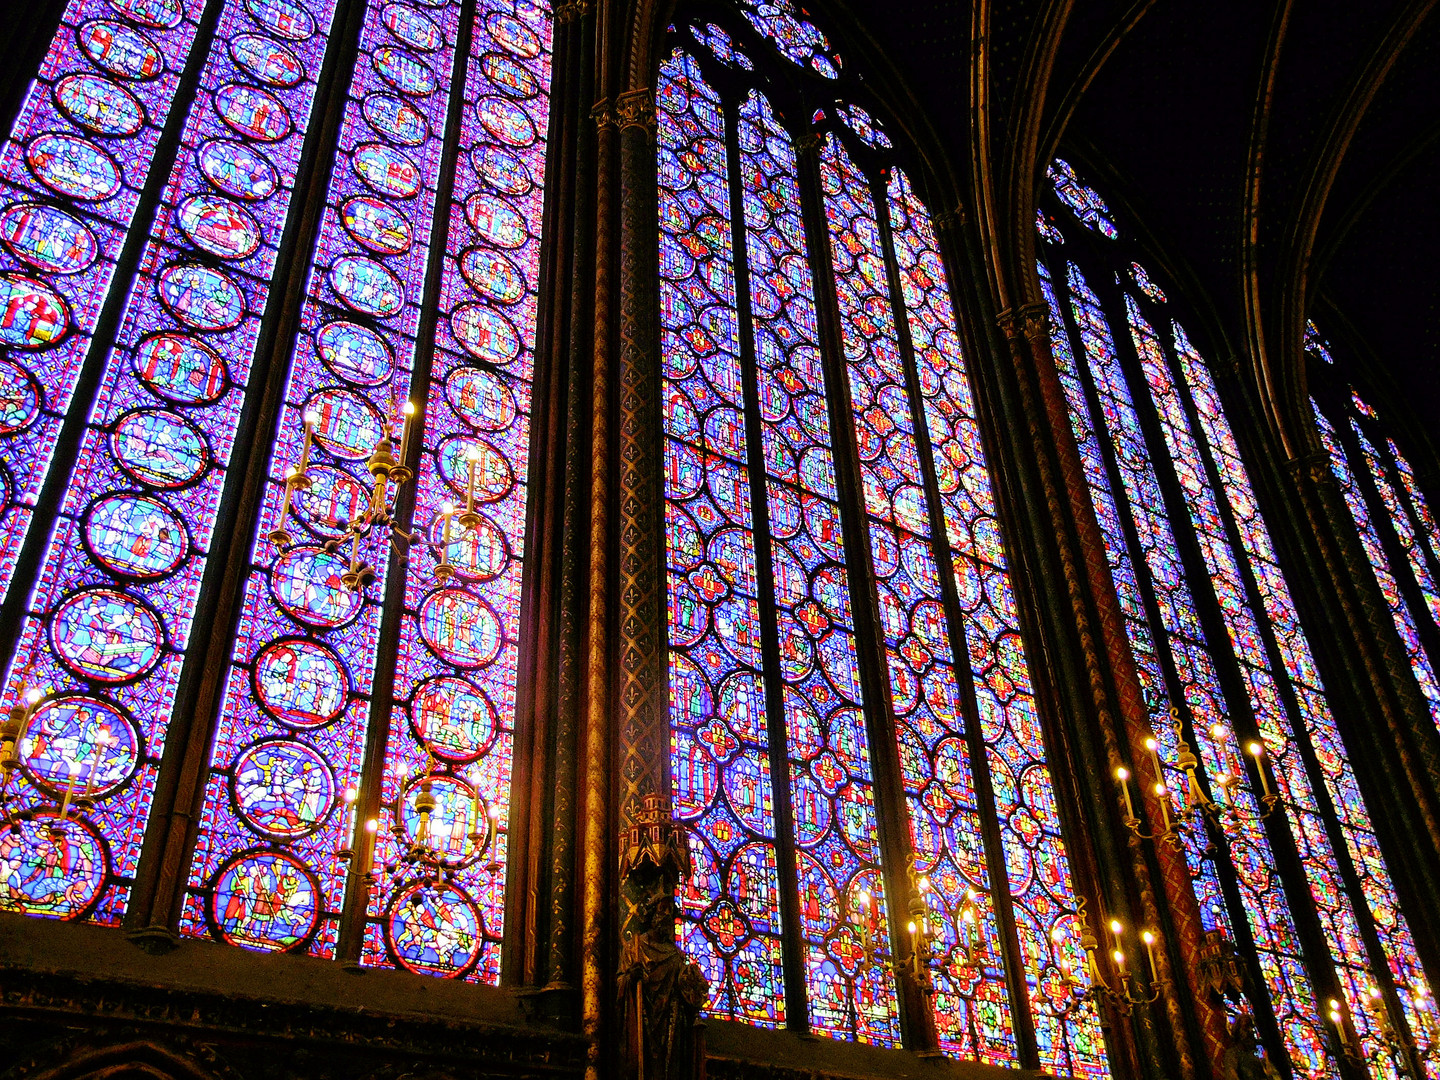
[407, 413]
[1257, 751]
[472, 456]
[1122, 774]
[864, 915]
[1149, 938]
[1154, 748]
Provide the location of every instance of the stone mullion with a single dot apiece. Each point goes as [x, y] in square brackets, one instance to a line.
[792, 942]
[154, 912]
[864, 598]
[1089, 582]
[1022, 1015]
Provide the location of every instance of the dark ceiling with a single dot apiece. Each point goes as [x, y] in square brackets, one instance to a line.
[1168, 122]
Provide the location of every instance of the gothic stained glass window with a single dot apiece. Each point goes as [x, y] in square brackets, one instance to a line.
[428, 232]
[71, 175]
[1391, 510]
[774, 717]
[109, 620]
[1242, 670]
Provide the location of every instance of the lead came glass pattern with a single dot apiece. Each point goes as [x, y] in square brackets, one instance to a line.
[1400, 613]
[1342, 932]
[134, 529]
[828, 745]
[1143, 647]
[304, 653]
[721, 778]
[71, 173]
[1399, 519]
[454, 701]
[1042, 894]
[1317, 723]
[1420, 507]
[1267, 908]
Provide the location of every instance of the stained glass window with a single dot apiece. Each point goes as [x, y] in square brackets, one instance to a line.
[1227, 668]
[794, 523]
[420, 277]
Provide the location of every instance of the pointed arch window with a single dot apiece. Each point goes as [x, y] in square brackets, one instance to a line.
[849, 688]
[1292, 872]
[176, 164]
[1391, 510]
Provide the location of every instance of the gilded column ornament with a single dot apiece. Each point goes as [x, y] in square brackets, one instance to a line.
[636, 108]
[567, 11]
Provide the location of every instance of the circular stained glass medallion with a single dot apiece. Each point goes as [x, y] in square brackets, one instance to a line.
[19, 397]
[403, 71]
[180, 369]
[56, 875]
[157, 14]
[333, 498]
[453, 718]
[47, 238]
[136, 535]
[283, 787]
[506, 121]
[74, 167]
[100, 105]
[300, 683]
[493, 274]
[457, 825]
[237, 170]
[159, 448]
[307, 583]
[512, 34]
[267, 60]
[433, 931]
[485, 333]
[265, 900]
[395, 118]
[32, 315]
[461, 629]
[82, 738]
[478, 554]
[354, 353]
[410, 26]
[387, 170]
[367, 286]
[223, 228]
[496, 220]
[201, 297]
[284, 18]
[481, 398]
[106, 635]
[493, 475]
[510, 76]
[349, 426]
[502, 170]
[376, 224]
[120, 49]
[254, 113]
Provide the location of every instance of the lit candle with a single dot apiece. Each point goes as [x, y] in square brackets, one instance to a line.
[1154, 748]
[74, 767]
[1119, 961]
[102, 739]
[1163, 796]
[350, 796]
[1122, 774]
[312, 418]
[864, 914]
[278, 535]
[472, 457]
[1149, 939]
[407, 413]
[1257, 752]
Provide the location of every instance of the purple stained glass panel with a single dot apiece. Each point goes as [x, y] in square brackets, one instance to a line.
[350, 367]
[71, 172]
[139, 512]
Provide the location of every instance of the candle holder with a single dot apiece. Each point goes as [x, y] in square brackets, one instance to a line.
[1129, 990]
[418, 852]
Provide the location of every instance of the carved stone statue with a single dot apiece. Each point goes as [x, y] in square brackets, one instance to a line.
[1244, 1060]
[661, 993]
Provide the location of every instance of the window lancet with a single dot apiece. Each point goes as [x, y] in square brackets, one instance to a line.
[795, 524]
[1176, 507]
